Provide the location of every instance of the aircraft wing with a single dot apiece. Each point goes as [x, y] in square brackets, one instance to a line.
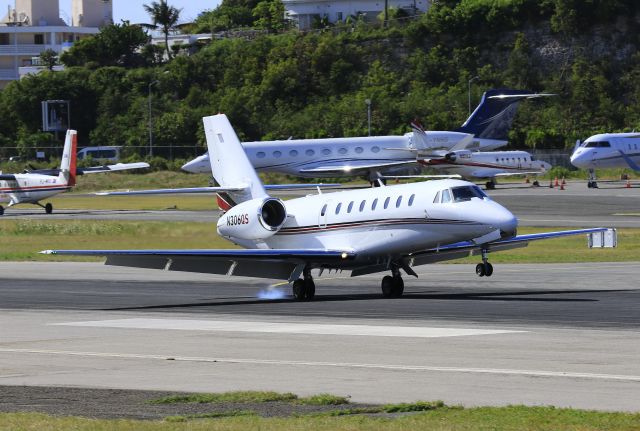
[510, 174]
[468, 248]
[7, 177]
[352, 168]
[284, 264]
[629, 161]
[112, 168]
[214, 189]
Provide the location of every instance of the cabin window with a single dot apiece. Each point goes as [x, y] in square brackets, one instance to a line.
[342, 151]
[260, 154]
[386, 202]
[350, 207]
[338, 208]
[446, 196]
[374, 204]
[411, 198]
[497, 159]
[293, 153]
[310, 152]
[277, 154]
[324, 210]
[326, 151]
[375, 149]
[359, 150]
[437, 198]
[362, 204]
[398, 201]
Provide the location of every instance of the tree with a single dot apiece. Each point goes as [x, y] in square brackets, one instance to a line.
[49, 58]
[115, 45]
[164, 17]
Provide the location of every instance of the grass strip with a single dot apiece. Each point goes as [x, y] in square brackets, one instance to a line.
[511, 418]
[227, 397]
[218, 415]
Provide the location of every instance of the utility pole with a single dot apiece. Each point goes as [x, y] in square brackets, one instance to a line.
[469, 92]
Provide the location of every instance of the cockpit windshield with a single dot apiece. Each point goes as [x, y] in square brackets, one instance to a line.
[465, 193]
[596, 144]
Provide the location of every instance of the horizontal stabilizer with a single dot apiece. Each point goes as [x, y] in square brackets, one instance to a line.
[188, 190]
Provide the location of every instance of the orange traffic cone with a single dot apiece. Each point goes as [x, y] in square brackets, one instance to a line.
[628, 185]
[555, 184]
[563, 181]
[562, 185]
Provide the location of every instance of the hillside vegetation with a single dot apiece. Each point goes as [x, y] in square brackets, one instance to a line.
[315, 84]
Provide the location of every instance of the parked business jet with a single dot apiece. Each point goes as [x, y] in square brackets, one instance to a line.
[609, 150]
[488, 166]
[376, 156]
[365, 231]
[35, 186]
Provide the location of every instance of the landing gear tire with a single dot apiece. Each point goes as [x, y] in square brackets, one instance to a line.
[304, 290]
[484, 269]
[592, 185]
[490, 185]
[392, 287]
[48, 208]
[1, 210]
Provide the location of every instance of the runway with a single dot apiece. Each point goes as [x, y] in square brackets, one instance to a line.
[612, 205]
[565, 335]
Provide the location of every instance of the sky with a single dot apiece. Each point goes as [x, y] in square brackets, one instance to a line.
[132, 10]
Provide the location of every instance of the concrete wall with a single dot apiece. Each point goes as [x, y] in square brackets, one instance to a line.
[40, 12]
[91, 13]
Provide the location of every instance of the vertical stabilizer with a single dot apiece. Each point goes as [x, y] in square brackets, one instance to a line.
[69, 153]
[230, 165]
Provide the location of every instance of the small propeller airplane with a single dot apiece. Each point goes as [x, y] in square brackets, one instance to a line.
[366, 231]
[37, 185]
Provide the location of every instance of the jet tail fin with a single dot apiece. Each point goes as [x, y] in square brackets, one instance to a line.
[69, 155]
[494, 115]
[230, 165]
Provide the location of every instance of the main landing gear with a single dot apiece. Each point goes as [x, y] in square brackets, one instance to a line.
[484, 269]
[392, 285]
[304, 289]
[490, 185]
[48, 208]
[1, 210]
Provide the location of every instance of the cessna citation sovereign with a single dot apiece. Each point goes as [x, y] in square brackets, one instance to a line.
[35, 186]
[610, 150]
[365, 231]
[375, 156]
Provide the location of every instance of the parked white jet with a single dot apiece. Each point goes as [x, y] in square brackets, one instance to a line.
[487, 165]
[33, 187]
[376, 156]
[365, 231]
[609, 150]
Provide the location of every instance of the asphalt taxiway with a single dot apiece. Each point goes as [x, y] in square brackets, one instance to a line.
[612, 205]
[562, 334]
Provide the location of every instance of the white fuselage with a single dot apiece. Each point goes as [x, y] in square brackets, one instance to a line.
[608, 151]
[31, 188]
[488, 165]
[385, 221]
[303, 157]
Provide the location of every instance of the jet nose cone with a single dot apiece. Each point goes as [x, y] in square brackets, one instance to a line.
[504, 220]
[579, 159]
[192, 166]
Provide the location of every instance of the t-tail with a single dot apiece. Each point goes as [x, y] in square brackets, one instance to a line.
[68, 164]
[230, 165]
[493, 117]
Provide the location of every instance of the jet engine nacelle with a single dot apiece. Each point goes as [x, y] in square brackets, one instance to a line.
[256, 219]
[452, 156]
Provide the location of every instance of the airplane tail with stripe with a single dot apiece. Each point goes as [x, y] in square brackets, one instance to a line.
[69, 154]
[230, 165]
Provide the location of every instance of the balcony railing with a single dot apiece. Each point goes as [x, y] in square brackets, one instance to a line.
[30, 49]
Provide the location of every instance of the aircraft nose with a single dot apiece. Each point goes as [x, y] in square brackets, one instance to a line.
[191, 166]
[579, 159]
[504, 220]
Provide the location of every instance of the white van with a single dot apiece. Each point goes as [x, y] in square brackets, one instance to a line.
[101, 154]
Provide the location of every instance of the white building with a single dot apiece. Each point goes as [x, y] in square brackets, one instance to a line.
[34, 26]
[304, 12]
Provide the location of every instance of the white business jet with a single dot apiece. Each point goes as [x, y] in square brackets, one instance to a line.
[489, 165]
[376, 156]
[33, 187]
[364, 231]
[609, 150]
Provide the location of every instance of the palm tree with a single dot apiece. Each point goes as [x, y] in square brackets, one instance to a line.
[164, 17]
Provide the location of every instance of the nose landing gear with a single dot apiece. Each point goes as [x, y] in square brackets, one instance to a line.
[484, 269]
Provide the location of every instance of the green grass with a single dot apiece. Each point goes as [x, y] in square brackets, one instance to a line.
[234, 413]
[73, 201]
[443, 418]
[253, 397]
[27, 237]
